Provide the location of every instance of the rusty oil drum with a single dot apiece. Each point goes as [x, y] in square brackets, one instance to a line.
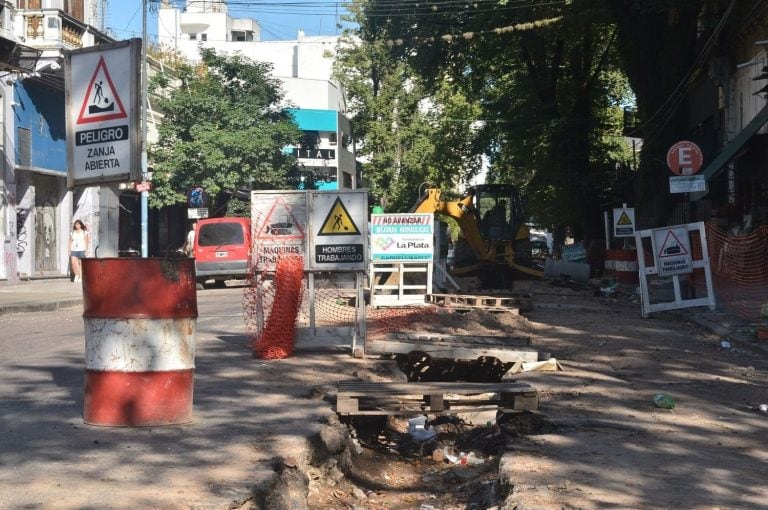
[140, 319]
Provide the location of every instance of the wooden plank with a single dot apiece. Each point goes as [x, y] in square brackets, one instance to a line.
[436, 402]
[367, 398]
[346, 405]
[519, 341]
[456, 347]
[424, 388]
[522, 302]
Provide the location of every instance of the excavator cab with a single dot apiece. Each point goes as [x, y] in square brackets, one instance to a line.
[500, 209]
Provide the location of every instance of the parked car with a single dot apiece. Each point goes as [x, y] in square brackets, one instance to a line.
[221, 249]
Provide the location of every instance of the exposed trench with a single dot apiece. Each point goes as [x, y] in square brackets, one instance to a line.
[372, 462]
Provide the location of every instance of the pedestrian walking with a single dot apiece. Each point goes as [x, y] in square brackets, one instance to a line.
[189, 246]
[79, 245]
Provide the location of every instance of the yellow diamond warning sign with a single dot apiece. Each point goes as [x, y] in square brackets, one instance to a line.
[624, 222]
[338, 222]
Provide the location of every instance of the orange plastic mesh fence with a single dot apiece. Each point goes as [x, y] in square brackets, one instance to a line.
[276, 339]
[739, 269]
[275, 304]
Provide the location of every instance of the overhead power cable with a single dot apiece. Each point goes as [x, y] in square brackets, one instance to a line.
[669, 106]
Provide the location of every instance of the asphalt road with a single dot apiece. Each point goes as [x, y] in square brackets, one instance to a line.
[246, 411]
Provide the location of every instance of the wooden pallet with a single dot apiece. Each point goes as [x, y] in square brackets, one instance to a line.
[494, 303]
[455, 347]
[370, 398]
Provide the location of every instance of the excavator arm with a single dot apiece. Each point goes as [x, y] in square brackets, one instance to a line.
[464, 212]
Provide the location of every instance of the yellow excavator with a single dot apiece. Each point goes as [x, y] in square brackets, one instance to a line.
[494, 241]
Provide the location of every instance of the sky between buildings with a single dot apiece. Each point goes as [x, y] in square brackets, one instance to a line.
[279, 19]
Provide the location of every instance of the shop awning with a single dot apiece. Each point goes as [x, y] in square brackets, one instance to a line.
[730, 150]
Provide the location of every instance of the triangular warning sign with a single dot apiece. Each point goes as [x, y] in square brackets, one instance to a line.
[338, 222]
[279, 222]
[672, 247]
[101, 101]
[624, 219]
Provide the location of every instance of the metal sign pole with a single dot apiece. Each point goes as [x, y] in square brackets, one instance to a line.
[144, 193]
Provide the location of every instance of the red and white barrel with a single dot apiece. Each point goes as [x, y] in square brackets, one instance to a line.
[140, 318]
[622, 263]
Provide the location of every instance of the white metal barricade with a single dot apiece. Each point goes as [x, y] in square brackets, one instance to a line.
[645, 272]
[398, 289]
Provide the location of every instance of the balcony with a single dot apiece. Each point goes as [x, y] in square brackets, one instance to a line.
[53, 29]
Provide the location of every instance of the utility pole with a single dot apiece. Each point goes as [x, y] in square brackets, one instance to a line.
[145, 192]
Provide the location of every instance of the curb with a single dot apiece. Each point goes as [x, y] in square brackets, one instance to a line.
[52, 306]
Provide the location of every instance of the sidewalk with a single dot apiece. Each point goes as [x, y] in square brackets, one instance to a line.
[39, 295]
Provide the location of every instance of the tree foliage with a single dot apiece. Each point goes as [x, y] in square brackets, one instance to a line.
[223, 129]
[545, 85]
[406, 138]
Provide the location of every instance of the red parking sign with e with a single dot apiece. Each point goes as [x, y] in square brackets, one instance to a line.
[684, 158]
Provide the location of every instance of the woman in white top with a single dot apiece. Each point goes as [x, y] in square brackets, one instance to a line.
[79, 244]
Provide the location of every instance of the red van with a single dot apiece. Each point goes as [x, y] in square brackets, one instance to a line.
[221, 249]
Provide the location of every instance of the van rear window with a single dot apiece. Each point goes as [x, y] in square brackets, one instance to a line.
[218, 234]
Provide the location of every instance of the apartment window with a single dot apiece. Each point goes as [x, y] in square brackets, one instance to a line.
[74, 8]
[309, 140]
[332, 138]
[193, 37]
[242, 36]
[24, 146]
[203, 37]
[30, 4]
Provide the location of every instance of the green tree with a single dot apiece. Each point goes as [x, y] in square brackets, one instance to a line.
[405, 137]
[547, 83]
[223, 129]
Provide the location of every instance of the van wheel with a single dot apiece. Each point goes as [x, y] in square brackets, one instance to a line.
[219, 284]
[200, 285]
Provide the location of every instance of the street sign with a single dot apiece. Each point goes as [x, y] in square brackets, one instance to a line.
[102, 106]
[402, 237]
[339, 230]
[672, 250]
[197, 197]
[687, 183]
[624, 222]
[279, 222]
[197, 213]
[684, 158]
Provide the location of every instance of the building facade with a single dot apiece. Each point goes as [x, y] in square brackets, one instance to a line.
[304, 67]
[36, 208]
[729, 113]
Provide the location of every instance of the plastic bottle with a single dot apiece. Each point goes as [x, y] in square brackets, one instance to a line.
[664, 401]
